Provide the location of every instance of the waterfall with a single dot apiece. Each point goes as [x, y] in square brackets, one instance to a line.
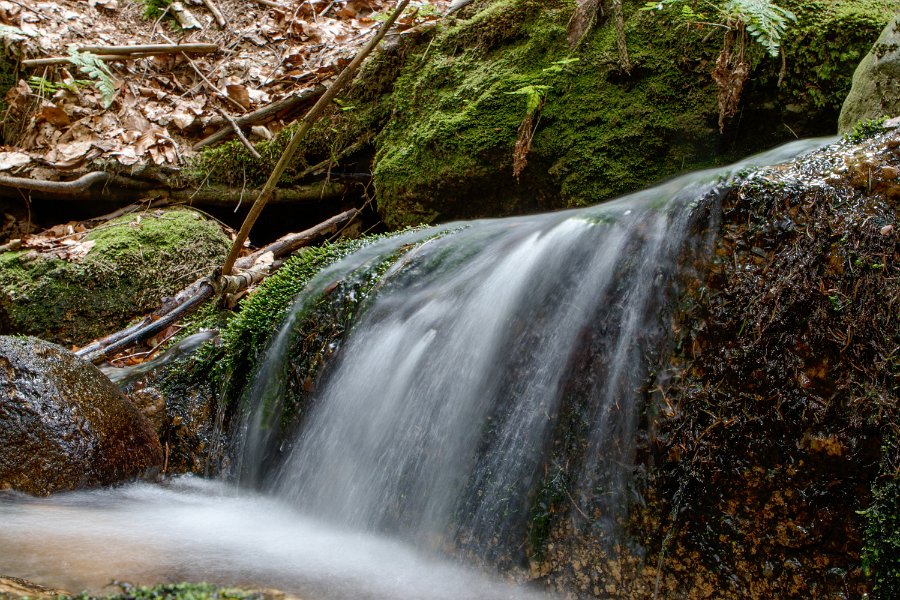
[438, 418]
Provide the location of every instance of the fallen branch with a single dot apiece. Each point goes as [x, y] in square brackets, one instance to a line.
[308, 120]
[217, 14]
[185, 18]
[152, 49]
[75, 186]
[240, 134]
[110, 53]
[262, 114]
[191, 298]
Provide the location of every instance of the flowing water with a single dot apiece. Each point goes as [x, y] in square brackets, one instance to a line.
[478, 351]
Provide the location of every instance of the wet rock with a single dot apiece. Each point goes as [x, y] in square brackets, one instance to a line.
[13, 588]
[64, 425]
[876, 82]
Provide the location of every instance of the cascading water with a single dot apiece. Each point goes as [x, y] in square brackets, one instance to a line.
[480, 353]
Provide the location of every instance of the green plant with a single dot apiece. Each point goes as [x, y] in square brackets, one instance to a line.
[535, 91]
[91, 65]
[44, 86]
[865, 128]
[761, 20]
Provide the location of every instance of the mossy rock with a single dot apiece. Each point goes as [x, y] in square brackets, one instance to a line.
[447, 151]
[876, 81]
[135, 262]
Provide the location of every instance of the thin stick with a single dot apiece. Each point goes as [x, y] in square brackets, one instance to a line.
[217, 14]
[261, 114]
[308, 120]
[240, 134]
[152, 49]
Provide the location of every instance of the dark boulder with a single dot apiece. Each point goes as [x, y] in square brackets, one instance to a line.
[64, 425]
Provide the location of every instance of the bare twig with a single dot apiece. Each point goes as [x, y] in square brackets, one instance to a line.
[308, 120]
[260, 115]
[217, 14]
[240, 135]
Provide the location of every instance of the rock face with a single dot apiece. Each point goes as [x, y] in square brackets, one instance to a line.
[64, 425]
[876, 82]
[131, 262]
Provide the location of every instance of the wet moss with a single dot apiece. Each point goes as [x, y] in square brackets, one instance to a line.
[183, 591]
[447, 151]
[133, 263]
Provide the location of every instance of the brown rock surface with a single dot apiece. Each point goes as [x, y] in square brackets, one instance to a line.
[64, 425]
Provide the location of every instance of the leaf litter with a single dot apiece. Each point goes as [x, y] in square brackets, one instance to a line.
[152, 109]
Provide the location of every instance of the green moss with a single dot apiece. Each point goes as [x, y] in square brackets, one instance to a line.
[447, 153]
[133, 263]
[447, 150]
[881, 553]
[179, 591]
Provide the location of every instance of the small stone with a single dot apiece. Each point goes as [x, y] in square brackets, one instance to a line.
[887, 230]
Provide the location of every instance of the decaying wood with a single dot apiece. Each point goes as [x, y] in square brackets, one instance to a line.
[111, 53]
[191, 298]
[117, 188]
[184, 17]
[308, 120]
[75, 186]
[261, 115]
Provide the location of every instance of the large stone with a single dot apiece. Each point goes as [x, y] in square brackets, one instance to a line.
[130, 264]
[64, 425]
[876, 81]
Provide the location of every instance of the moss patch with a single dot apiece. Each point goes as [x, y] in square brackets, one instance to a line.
[447, 150]
[184, 591]
[133, 264]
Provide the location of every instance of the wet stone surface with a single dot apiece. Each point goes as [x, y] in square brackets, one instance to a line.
[64, 425]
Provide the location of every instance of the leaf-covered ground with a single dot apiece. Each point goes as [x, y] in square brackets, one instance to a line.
[155, 109]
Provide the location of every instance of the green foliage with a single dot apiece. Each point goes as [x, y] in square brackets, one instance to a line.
[881, 553]
[763, 20]
[14, 34]
[174, 591]
[91, 65]
[154, 9]
[44, 86]
[865, 128]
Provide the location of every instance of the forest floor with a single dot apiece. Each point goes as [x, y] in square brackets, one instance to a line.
[144, 108]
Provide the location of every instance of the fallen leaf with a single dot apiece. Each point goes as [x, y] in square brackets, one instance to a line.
[11, 160]
[54, 115]
[239, 94]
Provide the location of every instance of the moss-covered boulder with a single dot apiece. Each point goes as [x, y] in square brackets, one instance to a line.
[767, 464]
[130, 264]
[601, 127]
[64, 425]
[876, 81]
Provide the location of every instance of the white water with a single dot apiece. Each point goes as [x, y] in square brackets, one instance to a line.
[194, 530]
[433, 427]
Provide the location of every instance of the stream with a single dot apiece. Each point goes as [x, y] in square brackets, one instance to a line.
[432, 431]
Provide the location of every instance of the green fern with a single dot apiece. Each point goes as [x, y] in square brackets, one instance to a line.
[764, 21]
[96, 69]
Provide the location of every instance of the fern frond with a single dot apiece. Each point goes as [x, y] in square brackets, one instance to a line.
[764, 21]
[96, 69]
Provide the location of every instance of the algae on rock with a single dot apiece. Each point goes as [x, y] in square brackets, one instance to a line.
[134, 262]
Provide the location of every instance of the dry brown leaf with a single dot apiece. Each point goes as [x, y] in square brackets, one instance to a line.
[54, 115]
[239, 94]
